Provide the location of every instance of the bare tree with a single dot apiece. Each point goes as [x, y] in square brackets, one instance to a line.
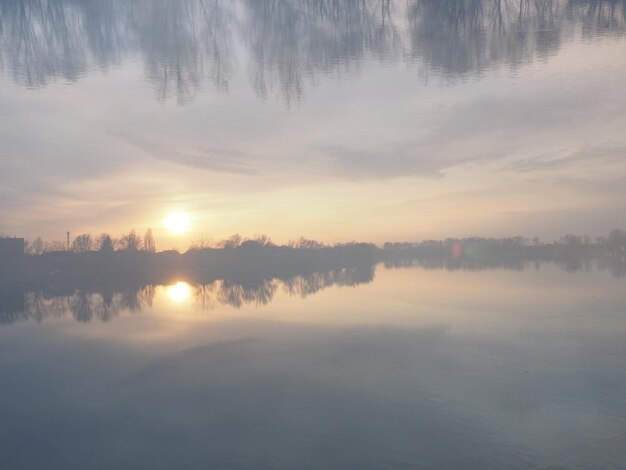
[105, 244]
[306, 244]
[56, 245]
[130, 242]
[149, 244]
[231, 242]
[82, 243]
[203, 242]
[37, 247]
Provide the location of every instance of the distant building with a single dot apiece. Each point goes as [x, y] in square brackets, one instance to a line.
[11, 249]
[11, 256]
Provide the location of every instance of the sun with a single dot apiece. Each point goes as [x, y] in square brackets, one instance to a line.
[177, 222]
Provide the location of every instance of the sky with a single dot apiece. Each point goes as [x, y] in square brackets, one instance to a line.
[296, 125]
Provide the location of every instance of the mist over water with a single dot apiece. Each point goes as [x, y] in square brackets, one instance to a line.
[474, 149]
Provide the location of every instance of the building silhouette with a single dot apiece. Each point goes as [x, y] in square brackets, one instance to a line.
[11, 256]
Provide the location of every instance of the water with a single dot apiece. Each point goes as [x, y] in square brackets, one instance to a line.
[417, 368]
[337, 120]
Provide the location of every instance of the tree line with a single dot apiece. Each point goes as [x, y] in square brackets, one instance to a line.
[132, 241]
[103, 243]
[613, 243]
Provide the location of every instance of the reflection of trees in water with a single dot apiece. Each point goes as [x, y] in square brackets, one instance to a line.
[83, 306]
[303, 286]
[455, 37]
[87, 306]
[451, 264]
[607, 16]
[41, 39]
[237, 294]
[182, 43]
[290, 43]
[615, 265]
[570, 262]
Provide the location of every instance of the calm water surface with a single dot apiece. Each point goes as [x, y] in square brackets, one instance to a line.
[415, 369]
[338, 120]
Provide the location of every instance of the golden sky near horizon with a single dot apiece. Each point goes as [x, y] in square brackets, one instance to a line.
[394, 146]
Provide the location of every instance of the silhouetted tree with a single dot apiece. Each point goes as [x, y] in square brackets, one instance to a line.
[616, 242]
[55, 246]
[38, 246]
[202, 242]
[570, 240]
[306, 244]
[82, 243]
[257, 241]
[231, 242]
[105, 244]
[149, 244]
[130, 242]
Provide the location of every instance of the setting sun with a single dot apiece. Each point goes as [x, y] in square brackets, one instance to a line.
[177, 222]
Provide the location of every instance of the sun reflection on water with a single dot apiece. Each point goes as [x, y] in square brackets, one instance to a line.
[179, 292]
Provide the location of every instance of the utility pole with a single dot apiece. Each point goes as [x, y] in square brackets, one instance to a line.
[68, 240]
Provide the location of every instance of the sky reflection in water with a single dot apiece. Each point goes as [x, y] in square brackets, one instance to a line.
[338, 120]
[491, 369]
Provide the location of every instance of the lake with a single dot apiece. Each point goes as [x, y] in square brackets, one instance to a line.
[417, 368]
[401, 291]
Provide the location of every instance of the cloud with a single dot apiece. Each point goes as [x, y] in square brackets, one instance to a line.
[601, 154]
[195, 156]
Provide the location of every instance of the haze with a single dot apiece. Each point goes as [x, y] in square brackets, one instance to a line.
[445, 127]
[312, 234]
